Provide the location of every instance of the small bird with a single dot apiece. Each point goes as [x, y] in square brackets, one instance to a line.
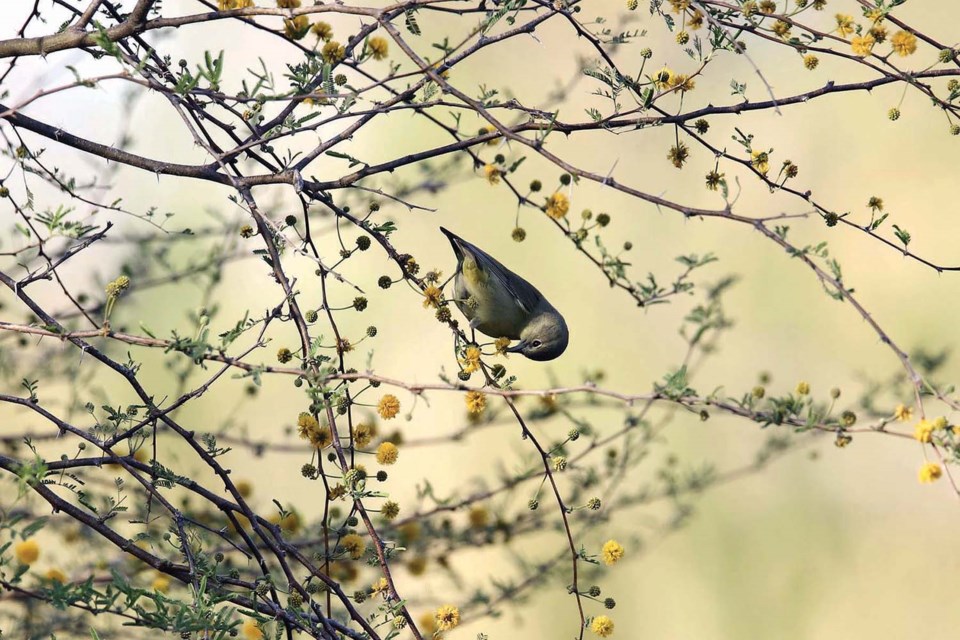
[504, 305]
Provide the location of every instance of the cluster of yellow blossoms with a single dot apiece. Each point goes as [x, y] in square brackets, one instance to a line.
[923, 432]
[903, 43]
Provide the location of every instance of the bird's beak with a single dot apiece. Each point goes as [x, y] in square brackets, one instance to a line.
[517, 348]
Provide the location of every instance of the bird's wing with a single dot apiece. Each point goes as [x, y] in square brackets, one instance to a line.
[519, 289]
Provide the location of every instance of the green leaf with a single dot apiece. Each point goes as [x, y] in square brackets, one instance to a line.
[410, 20]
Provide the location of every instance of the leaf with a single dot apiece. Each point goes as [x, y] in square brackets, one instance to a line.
[876, 223]
[410, 20]
[902, 234]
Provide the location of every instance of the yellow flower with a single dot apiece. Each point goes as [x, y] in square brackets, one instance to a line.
[479, 517]
[939, 424]
[387, 453]
[55, 575]
[929, 472]
[489, 129]
[862, 45]
[683, 82]
[678, 154]
[161, 583]
[333, 52]
[696, 20]
[378, 47]
[492, 173]
[251, 630]
[602, 626]
[409, 532]
[612, 552]
[714, 179]
[476, 402]
[661, 79]
[844, 25]
[558, 205]
[904, 43]
[803, 388]
[305, 424]
[902, 412]
[428, 624]
[362, 434]
[310, 429]
[27, 551]
[380, 586]
[760, 161]
[390, 510]
[879, 33]
[447, 616]
[289, 523]
[876, 15]
[244, 488]
[471, 359]
[811, 61]
[432, 296]
[227, 5]
[322, 30]
[501, 344]
[354, 545]
[388, 407]
[288, 4]
[923, 431]
[118, 286]
[416, 567]
[781, 28]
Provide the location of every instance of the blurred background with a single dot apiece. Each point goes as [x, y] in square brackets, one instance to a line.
[826, 543]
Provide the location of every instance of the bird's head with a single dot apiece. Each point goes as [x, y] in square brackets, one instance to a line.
[544, 338]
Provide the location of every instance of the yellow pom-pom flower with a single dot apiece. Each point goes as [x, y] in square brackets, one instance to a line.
[432, 297]
[904, 43]
[388, 407]
[862, 45]
[476, 402]
[387, 453]
[447, 617]
[27, 551]
[378, 47]
[902, 413]
[161, 583]
[602, 626]
[923, 431]
[251, 630]
[354, 545]
[929, 472]
[844, 25]
[558, 205]
[471, 359]
[55, 575]
[612, 552]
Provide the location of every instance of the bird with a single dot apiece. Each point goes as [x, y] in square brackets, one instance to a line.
[501, 304]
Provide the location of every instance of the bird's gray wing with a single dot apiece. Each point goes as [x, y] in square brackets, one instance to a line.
[519, 289]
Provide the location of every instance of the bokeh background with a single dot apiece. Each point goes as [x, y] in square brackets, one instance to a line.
[827, 543]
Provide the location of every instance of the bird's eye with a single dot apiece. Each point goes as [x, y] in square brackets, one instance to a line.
[536, 343]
